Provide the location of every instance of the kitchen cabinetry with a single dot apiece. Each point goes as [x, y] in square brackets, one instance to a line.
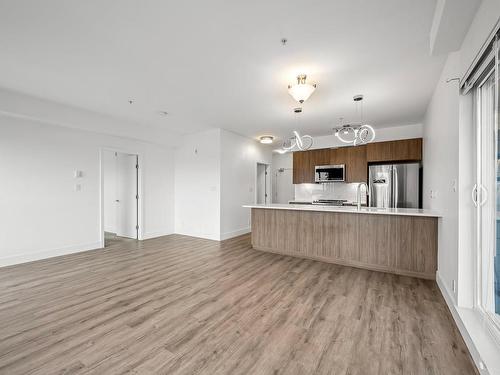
[391, 151]
[357, 164]
[304, 163]
[355, 158]
[300, 167]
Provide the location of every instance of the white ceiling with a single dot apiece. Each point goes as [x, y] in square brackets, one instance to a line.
[220, 63]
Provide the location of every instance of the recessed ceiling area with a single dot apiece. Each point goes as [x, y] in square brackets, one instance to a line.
[222, 64]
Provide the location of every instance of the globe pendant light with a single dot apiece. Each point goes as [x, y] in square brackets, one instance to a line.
[302, 90]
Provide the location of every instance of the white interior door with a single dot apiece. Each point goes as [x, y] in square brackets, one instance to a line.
[284, 188]
[126, 205]
[262, 183]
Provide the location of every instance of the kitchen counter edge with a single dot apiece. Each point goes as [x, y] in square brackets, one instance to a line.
[347, 209]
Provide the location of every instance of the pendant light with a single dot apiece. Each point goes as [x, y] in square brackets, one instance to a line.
[356, 134]
[301, 142]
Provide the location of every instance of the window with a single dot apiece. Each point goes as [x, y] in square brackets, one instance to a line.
[487, 191]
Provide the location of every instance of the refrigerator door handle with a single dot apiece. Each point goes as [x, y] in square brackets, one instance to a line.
[396, 187]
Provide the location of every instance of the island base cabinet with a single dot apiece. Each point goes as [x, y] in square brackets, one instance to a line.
[405, 245]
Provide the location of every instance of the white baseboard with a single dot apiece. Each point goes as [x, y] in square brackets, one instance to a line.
[236, 233]
[147, 236]
[481, 345]
[44, 254]
[213, 237]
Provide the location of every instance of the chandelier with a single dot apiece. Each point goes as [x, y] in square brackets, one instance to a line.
[356, 133]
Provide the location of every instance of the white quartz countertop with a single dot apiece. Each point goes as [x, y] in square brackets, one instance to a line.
[349, 209]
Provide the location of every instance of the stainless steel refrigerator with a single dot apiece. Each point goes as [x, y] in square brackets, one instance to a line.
[395, 185]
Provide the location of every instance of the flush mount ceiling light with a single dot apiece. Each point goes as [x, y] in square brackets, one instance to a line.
[266, 139]
[301, 91]
[358, 133]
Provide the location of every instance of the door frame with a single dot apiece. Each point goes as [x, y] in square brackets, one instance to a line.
[140, 206]
[268, 181]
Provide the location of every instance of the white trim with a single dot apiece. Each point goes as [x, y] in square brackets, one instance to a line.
[140, 189]
[48, 253]
[481, 344]
[235, 233]
[213, 237]
[268, 180]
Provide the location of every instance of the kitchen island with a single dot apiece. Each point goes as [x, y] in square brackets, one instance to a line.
[396, 240]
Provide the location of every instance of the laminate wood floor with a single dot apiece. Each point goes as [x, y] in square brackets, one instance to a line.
[181, 305]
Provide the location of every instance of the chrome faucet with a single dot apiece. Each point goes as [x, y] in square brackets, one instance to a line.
[358, 193]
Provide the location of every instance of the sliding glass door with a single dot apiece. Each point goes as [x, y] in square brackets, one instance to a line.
[486, 194]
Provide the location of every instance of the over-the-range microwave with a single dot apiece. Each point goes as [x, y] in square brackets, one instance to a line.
[329, 173]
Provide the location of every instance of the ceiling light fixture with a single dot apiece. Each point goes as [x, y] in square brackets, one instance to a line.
[302, 90]
[356, 133]
[266, 139]
[302, 142]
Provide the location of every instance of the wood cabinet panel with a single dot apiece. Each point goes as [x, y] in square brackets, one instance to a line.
[379, 151]
[404, 260]
[338, 156]
[408, 149]
[357, 165]
[402, 150]
[300, 165]
[404, 245]
[425, 249]
[348, 235]
[375, 240]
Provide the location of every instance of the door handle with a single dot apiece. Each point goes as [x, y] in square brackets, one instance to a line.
[474, 195]
[485, 193]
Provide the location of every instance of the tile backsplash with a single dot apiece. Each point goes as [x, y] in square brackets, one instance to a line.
[332, 190]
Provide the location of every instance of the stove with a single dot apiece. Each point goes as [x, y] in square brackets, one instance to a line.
[330, 202]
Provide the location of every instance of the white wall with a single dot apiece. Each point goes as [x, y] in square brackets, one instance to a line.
[42, 214]
[441, 168]
[449, 151]
[215, 174]
[197, 185]
[110, 190]
[239, 158]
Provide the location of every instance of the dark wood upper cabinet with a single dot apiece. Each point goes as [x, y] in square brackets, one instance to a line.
[357, 164]
[390, 151]
[408, 150]
[338, 156]
[300, 159]
[320, 157]
[355, 158]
